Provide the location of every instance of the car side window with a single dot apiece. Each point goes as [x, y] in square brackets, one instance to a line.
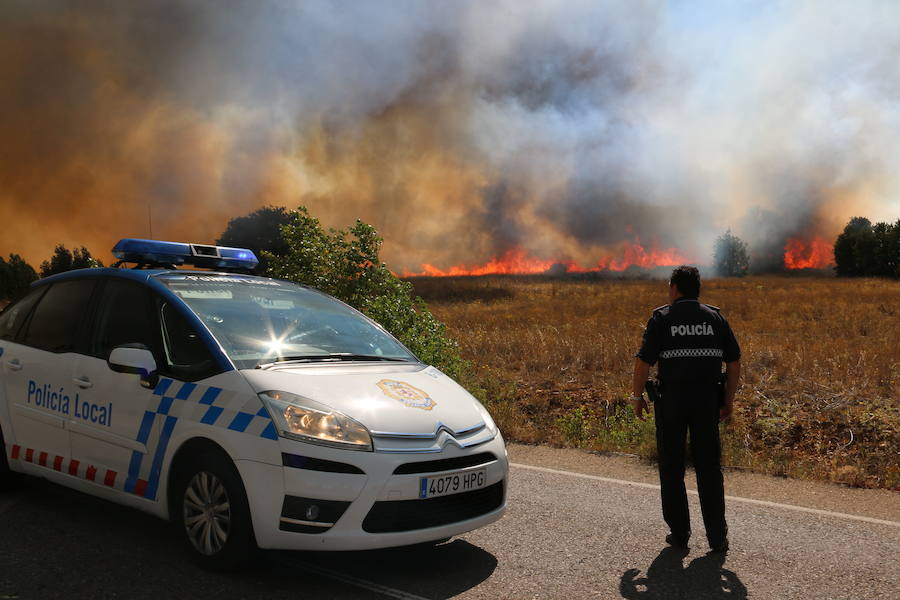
[58, 319]
[124, 316]
[187, 356]
[14, 316]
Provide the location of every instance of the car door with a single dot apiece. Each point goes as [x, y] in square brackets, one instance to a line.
[130, 445]
[107, 432]
[38, 381]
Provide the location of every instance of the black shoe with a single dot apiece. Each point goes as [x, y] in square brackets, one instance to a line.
[677, 541]
[719, 547]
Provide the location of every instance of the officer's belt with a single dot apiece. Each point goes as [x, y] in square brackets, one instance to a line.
[688, 383]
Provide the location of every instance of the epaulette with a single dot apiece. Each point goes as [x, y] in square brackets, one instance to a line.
[661, 308]
[715, 308]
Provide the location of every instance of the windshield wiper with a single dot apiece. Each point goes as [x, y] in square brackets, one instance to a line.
[331, 357]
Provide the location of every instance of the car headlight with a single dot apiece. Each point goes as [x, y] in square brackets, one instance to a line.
[488, 421]
[310, 421]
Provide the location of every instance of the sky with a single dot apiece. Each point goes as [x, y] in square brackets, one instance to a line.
[567, 130]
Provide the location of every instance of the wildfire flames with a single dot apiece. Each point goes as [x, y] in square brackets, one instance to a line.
[517, 261]
[814, 254]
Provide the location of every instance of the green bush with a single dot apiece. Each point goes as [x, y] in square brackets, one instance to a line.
[618, 429]
[577, 425]
[345, 263]
[622, 431]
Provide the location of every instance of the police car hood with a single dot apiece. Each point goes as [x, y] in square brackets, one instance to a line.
[403, 399]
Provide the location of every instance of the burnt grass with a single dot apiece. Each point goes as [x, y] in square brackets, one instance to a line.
[820, 394]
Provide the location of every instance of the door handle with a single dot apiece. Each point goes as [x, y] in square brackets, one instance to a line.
[14, 364]
[82, 382]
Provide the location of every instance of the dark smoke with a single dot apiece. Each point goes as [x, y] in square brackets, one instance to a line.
[460, 129]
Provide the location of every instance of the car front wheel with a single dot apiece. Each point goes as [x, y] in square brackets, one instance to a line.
[214, 513]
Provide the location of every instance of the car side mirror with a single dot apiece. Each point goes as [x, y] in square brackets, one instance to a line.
[136, 359]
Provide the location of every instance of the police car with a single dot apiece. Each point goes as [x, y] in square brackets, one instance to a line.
[252, 412]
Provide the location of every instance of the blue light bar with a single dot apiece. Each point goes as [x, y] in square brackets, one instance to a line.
[156, 252]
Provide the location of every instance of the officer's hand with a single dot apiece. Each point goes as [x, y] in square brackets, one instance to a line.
[726, 410]
[640, 407]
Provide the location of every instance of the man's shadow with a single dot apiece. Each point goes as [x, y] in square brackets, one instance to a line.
[668, 578]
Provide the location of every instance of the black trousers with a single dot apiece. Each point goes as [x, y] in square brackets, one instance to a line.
[695, 409]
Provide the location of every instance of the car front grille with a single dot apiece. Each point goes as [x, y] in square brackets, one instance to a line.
[409, 515]
[445, 464]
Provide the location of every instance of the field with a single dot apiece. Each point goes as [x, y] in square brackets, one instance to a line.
[820, 396]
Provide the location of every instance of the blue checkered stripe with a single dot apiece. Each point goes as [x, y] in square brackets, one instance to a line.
[173, 400]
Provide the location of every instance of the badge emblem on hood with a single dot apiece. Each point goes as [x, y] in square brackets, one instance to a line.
[411, 396]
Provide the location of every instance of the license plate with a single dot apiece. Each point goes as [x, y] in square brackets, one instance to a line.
[452, 483]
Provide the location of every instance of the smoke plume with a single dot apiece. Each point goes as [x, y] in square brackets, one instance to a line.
[462, 130]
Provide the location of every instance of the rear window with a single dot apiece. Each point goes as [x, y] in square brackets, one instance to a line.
[14, 316]
[59, 315]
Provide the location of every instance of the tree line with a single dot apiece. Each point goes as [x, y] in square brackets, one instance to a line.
[16, 275]
[861, 250]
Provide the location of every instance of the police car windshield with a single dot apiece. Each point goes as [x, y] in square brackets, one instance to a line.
[259, 321]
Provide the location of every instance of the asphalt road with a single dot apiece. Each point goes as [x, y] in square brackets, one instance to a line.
[578, 526]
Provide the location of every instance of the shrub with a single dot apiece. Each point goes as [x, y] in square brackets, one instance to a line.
[345, 263]
[576, 426]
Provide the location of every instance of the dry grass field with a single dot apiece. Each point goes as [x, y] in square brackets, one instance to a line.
[820, 396]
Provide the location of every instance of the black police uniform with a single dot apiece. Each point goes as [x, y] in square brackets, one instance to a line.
[690, 340]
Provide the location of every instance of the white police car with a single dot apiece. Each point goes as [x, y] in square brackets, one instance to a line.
[251, 411]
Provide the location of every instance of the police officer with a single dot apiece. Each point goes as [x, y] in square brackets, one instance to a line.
[690, 340]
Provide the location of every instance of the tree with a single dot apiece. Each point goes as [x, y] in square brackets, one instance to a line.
[259, 231]
[887, 249]
[851, 245]
[894, 244]
[63, 260]
[864, 249]
[16, 276]
[730, 256]
[60, 262]
[346, 264]
[82, 259]
[881, 250]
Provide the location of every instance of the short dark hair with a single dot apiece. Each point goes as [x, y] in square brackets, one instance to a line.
[687, 280]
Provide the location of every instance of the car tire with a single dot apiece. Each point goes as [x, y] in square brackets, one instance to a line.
[212, 512]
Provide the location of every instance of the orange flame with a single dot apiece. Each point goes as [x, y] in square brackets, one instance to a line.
[815, 254]
[517, 262]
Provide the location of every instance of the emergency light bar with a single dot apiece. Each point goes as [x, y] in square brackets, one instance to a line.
[170, 254]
